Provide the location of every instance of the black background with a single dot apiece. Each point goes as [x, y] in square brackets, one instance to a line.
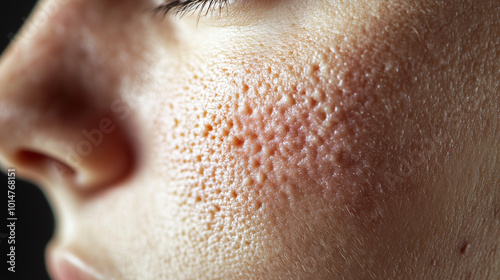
[35, 223]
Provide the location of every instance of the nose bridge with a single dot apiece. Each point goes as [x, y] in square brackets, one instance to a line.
[48, 18]
[64, 37]
[57, 85]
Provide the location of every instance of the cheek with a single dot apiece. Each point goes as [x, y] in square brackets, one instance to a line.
[325, 128]
[290, 141]
[308, 147]
[302, 146]
[259, 142]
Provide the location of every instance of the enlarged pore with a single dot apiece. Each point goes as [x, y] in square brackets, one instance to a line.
[328, 126]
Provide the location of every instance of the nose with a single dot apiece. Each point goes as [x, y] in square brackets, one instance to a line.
[61, 122]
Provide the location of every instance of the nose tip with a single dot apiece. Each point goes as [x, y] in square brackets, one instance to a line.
[88, 150]
[59, 127]
[92, 159]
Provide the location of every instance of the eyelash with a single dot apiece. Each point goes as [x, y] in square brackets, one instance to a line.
[182, 7]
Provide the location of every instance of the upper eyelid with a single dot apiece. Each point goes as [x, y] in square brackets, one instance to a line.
[183, 7]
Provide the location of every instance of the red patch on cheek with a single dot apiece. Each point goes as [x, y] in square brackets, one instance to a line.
[299, 136]
[329, 124]
[323, 129]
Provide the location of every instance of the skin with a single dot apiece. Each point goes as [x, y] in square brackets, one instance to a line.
[279, 140]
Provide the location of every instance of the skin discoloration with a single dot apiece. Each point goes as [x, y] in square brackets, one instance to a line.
[321, 114]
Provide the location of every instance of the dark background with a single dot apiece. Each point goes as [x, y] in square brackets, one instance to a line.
[34, 225]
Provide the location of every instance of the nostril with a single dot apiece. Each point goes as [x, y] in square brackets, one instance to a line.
[36, 164]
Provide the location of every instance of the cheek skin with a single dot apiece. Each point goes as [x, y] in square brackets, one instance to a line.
[323, 121]
[301, 156]
[298, 140]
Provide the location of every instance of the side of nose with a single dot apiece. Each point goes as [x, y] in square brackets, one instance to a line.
[61, 119]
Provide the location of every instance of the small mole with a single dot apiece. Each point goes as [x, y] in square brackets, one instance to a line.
[464, 247]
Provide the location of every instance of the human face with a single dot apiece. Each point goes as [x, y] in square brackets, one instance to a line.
[275, 140]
